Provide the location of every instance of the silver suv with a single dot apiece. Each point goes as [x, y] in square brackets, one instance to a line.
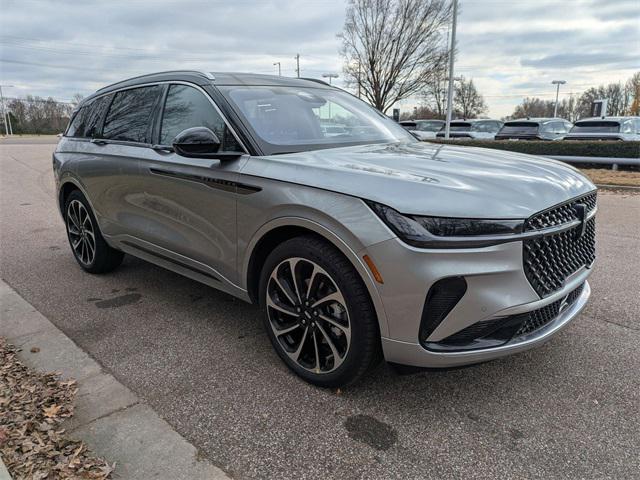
[356, 245]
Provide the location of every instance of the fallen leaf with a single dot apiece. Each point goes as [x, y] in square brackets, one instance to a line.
[35, 349]
[52, 411]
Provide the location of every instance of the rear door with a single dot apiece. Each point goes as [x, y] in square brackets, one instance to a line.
[190, 203]
[118, 132]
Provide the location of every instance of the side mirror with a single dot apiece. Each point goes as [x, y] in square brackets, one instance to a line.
[196, 142]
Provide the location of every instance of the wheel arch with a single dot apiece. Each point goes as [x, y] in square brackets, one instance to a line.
[281, 229]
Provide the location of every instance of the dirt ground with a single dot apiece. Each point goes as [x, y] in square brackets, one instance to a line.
[604, 176]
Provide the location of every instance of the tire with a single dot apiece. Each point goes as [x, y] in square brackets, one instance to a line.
[329, 343]
[87, 243]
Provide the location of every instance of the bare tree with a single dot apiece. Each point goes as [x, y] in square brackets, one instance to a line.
[632, 89]
[76, 99]
[392, 48]
[434, 95]
[469, 103]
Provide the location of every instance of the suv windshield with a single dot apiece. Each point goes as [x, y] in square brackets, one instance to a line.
[596, 127]
[293, 119]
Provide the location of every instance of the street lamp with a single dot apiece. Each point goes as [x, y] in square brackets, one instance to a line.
[5, 115]
[329, 76]
[557, 83]
[447, 125]
[279, 70]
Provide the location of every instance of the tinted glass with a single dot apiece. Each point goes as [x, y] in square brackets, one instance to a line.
[95, 114]
[287, 119]
[458, 127]
[187, 107]
[429, 126]
[486, 127]
[596, 127]
[76, 127]
[129, 117]
[519, 128]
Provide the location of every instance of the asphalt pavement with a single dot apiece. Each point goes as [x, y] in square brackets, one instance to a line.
[201, 360]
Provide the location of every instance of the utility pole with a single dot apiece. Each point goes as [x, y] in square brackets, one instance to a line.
[279, 70]
[557, 83]
[5, 115]
[297, 57]
[451, 62]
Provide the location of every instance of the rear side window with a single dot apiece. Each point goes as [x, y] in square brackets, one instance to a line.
[187, 107]
[76, 127]
[95, 114]
[129, 118]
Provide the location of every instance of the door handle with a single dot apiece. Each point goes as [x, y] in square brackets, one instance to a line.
[98, 141]
[162, 148]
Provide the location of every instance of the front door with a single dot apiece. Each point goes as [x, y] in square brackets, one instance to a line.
[190, 203]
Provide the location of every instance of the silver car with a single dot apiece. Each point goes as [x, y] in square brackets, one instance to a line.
[357, 247]
[476, 129]
[606, 128]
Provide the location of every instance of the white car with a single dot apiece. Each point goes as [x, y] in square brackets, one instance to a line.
[423, 129]
[472, 129]
[606, 128]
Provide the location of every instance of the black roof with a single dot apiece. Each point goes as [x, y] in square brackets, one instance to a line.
[214, 78]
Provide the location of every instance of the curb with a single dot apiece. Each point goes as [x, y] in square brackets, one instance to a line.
[115, 423]
[4, 473]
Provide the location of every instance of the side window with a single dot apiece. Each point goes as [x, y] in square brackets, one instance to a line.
[187, 107]
[76, 127]
[129, 118]
[547, 127]
[95, 114]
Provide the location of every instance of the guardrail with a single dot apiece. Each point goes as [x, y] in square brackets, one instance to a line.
[613, 161]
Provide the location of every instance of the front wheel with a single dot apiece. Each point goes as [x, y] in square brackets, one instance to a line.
[318, 313]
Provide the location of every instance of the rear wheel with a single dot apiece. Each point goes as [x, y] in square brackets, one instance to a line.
[318, 313]
[87, 244]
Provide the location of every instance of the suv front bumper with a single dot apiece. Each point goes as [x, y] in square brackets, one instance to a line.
[496, 288]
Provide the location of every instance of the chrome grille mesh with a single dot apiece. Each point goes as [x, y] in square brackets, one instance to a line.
[549, 260]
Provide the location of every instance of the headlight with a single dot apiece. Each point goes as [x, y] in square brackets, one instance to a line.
[439, 232]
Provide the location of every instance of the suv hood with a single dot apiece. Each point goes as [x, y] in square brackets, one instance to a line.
[428, 179]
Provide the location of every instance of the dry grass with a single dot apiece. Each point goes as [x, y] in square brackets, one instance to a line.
[605, 176]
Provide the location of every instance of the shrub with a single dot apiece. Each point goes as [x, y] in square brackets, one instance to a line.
[568, 148]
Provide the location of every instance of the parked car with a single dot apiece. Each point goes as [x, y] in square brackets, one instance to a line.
[534, 129]
[333, 130]
[355, 246]
[471, 129]
[423, 129]
[606, 128]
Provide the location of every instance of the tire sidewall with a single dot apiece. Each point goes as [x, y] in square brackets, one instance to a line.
[349, 368]
[99, 241]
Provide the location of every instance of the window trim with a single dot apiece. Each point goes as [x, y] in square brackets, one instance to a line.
[156, 134]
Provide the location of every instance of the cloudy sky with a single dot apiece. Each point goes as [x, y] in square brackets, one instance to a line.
[510, 48]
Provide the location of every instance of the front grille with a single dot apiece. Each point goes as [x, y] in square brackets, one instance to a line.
[539, 318]
[550, 260]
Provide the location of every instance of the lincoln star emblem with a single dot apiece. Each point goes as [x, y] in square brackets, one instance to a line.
[581, 210]
[564, 304]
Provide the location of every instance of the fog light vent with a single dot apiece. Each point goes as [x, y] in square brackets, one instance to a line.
[442, 297]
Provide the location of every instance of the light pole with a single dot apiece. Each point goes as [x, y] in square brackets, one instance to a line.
[279, 69]
[297, 57]
[557, 83]
[5, 114]
[330, 76]
[451, 62]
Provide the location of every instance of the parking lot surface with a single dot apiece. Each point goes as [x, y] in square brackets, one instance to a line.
[200, 358]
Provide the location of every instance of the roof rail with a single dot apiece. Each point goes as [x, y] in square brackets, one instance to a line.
[317, 80]
[208, 76]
